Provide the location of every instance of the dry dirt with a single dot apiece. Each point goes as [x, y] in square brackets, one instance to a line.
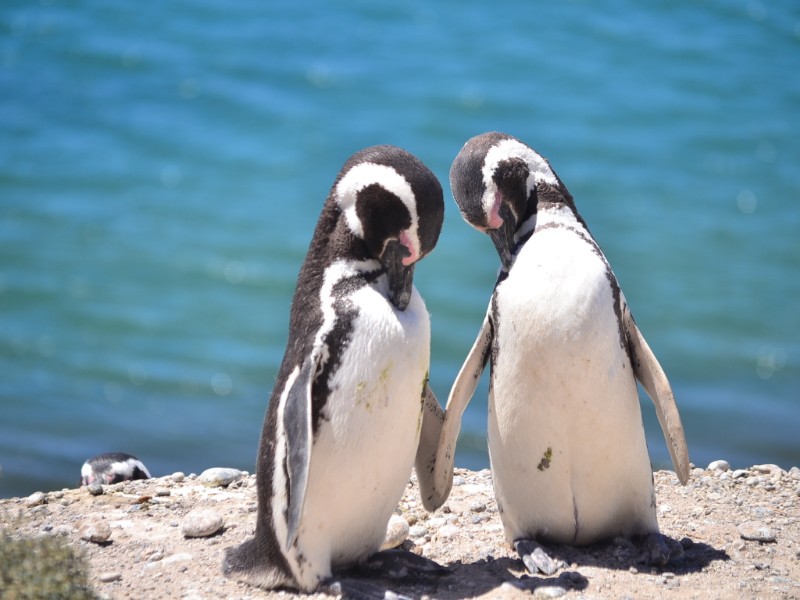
[147, 556]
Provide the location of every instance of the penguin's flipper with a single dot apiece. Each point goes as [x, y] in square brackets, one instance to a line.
[460, 395]
[425, 462]
[298, 434]
[654, 381]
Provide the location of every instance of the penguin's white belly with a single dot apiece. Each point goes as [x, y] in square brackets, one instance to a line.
[364, 450]
[566, 440]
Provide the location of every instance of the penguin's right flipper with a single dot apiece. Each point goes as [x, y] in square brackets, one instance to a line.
[460, 395]
[654, 381]
[299, 439]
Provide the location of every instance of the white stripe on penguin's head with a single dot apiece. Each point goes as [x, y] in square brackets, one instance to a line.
[503, 150]
[366, 174]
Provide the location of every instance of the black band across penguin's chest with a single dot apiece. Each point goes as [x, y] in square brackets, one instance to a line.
[337, 339]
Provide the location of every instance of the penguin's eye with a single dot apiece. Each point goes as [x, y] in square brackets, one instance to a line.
[383, 216]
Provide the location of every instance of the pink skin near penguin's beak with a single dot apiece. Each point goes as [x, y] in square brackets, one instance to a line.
[413, 252]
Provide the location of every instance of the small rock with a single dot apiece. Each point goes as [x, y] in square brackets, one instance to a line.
[162, 491]
[179, 557]
[719, 465]
[202, 523]
[35, 499]
[417, 531]
[58, 495]
[178, 476]
[458, 481]
[549, 591]
[396, 532]
[477, 507]
[447, 531]
[436, 522]
[794, 473]
[756, 531]
[109, 577]
[95, 489]
[220, 476]
[739, 473]
[96, 532]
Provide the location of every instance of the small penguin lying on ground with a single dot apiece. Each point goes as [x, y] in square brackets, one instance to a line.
[351, 411]
[566, 442]
[112, 467]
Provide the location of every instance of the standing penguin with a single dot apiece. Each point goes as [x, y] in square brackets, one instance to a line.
[351, 410]
[566, 443]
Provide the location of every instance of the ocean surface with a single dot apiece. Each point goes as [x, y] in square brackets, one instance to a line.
[162, 167]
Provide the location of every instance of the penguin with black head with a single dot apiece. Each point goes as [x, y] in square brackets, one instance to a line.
[351, 411]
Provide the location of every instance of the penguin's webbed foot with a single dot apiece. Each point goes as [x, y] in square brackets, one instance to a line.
[658, 549]
[535, 558]
[401, 564]
[357, 589]
[363, 581]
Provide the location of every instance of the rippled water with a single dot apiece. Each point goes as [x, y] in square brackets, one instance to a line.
[162, 167]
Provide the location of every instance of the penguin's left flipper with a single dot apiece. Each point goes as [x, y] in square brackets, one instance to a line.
[535, 558]
[425, 462]
[460, 395]
[655, 383]
[298, 434]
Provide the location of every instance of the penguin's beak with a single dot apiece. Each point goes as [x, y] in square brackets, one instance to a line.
[401, 277]
[503, 237]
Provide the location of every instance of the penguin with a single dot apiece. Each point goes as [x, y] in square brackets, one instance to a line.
[351, 412]
[567, 447]
[112, 467]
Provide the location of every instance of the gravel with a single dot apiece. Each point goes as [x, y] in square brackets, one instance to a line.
[740, 530]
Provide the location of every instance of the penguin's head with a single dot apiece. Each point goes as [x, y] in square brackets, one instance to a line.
[393, 203]
[494, 179]
[113, 467]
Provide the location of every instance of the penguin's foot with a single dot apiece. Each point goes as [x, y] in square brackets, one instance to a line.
[356, 589]
[363, 581]
[535, 558]
[657, 550]
[400, 564]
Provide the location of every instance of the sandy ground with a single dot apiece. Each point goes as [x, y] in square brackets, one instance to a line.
[740, 530]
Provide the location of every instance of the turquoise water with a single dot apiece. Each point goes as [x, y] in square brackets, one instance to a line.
[162, 166]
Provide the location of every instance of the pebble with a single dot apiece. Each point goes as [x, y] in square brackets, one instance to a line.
[549, 591]
[436, 522]
[35, 499]
[719, 465]
[477, 507]
[447, 531]
[202, 523]
[396, 532]
[458, 481]
[220, 476]
[174, 558]
[178, 476]
[739, 473]
[162, 491]
[96, 532]
[95, 489]
[417, 531]
[756, 531]
[109, 577]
